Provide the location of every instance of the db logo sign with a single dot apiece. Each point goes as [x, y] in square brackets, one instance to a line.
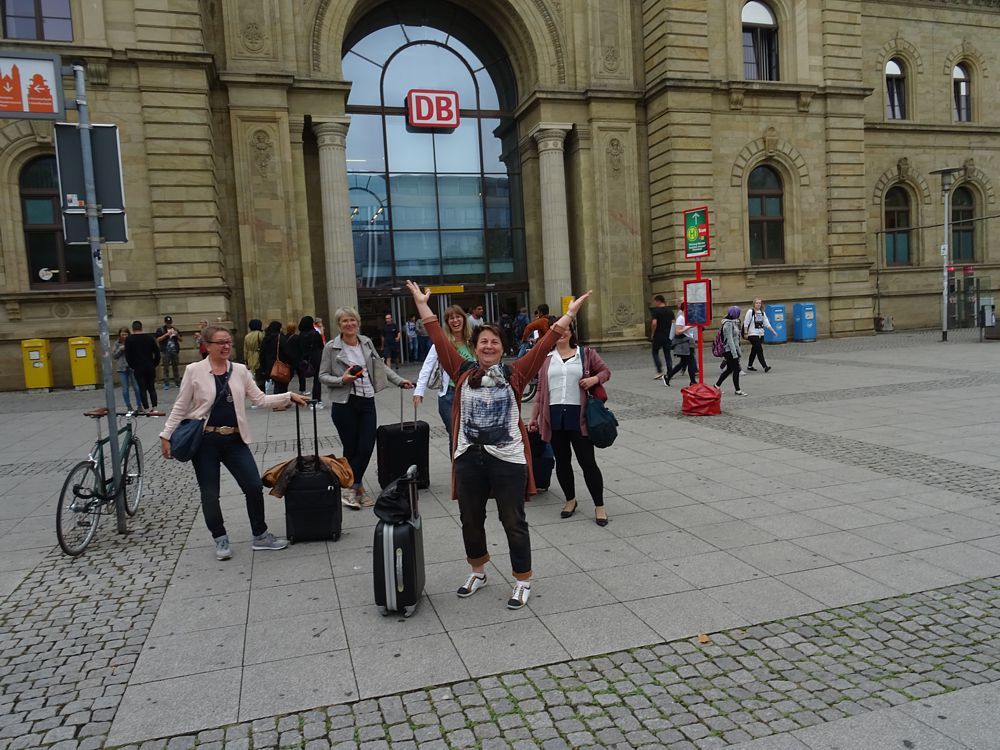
[432, 109]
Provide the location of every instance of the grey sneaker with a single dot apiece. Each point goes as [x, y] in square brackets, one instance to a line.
[222, 551]
[267, 541]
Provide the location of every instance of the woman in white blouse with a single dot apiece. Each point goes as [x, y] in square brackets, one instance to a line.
[569, 372]
[459, 332]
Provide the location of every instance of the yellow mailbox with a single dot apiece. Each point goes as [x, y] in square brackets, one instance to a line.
[37, 365]
[82, 363]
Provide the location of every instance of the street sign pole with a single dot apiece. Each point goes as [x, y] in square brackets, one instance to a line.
[701, 333]
[94, 238]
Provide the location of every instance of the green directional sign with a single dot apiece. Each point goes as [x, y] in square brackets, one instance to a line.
[696, 233]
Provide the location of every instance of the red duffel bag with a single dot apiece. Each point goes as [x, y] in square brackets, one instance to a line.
[700, 400]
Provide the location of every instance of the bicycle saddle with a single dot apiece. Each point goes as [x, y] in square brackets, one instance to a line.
[101, 411]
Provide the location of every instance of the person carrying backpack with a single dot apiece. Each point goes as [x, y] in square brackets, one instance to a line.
[730, 333]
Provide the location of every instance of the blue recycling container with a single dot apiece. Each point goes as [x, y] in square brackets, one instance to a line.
[776, 316]
[804, 321]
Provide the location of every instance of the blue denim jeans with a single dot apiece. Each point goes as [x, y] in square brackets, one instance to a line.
[129, 386]
[444, 410]
[356, 425]
[229, 450]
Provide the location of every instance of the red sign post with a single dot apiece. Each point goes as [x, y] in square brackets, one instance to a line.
[698, 292]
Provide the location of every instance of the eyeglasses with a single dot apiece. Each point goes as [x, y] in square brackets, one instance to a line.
[222, 343]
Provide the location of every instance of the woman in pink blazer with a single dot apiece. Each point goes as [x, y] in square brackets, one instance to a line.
[216, 389]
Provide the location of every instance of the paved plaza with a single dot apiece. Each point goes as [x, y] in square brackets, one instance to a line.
[816, 568]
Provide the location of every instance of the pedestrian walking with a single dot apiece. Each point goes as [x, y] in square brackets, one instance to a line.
[353, 371]
[661, 326]
[569, 372]
[143, 355]
[685, 346]
[273, 348]
[306, 347]
[459, 332]
[215, 389]
[130, 385]
[390, 342]
[423, 340]
[169, 340]
[412, 345]
[251, 350]
[754, 325]
[731, 343]
[489, 442]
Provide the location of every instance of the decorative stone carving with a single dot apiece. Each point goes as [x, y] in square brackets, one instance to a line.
[736, 99]
[969, 164]
[253, 37]
[903, 168]
[624, 314]
[751, 277]
[61, 310]
[800, 276]
[805, 100]
[615, 151]
[770, 141]
[612, 59]
[13, 310]
[263, 150]
[97, 73]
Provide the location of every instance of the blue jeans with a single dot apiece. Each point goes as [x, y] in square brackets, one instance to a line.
[129, 385]
[444, 409]
[356, 424]
[229, 450]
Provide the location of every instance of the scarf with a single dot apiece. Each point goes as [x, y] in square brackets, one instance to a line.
[494, 376]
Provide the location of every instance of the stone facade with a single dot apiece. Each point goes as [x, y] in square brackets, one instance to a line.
[232, 118]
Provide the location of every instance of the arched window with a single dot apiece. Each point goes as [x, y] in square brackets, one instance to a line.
[765, 199]
[961, 95]
[439, 205]
[895, 89]
[760, 43]
[897, 227]
[963, 225]
[51, 263]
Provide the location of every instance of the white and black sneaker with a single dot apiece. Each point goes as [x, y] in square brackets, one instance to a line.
[222, 550]
[519, 596]
[475, 582]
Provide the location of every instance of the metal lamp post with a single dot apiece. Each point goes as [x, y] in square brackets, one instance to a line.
[947, 180]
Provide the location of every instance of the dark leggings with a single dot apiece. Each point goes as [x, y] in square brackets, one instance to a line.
[756, 351]
[147, 387]
[561, 442]
[356, 424]
[690, 362]
[732, 368]
[317, 388]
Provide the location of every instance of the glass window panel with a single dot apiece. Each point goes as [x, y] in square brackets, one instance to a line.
[763, 178]
[408, 152]
[756, 206]
[40, 174]
[458, 151]
[893, 68]
[516, 202]
[488, 98]
[378, 45]
[43, 252]
[58, 29]
[21, 28]
[425, 33]
[775, 240]
[464, 255]
[39, 211]
[475, 62]
[365, 78]
[55, 8]
[365, 149]
[959, 73]
[903, 247]
[427, 66]
[79, 269]
[498, 202]
[961, 197]
[773, 206]
[757, 13]
[24, 8]
[413, 202]
[461, 201]
[417, 254]
[372, 258]
[756, 240]
[369, 207]
[493, 146]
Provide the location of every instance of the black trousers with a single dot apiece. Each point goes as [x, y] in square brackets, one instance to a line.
[690, 361]
[732, 368]
[562, 441]
[356, 426]
[147, 387]
[664, 345]
[756, 350]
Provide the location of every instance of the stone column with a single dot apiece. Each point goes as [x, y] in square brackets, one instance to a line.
[551, 138]
[338, 245]
[301, 258]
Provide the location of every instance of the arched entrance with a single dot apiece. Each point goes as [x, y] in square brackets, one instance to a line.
[440, 205]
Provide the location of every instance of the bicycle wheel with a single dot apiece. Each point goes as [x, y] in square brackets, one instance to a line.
[132, 475]
[529, 391]
[79, 509]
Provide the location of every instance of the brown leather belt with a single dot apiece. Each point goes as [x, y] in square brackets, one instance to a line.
[223, 430]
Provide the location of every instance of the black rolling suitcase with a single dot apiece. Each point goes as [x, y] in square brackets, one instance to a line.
[399, 551]
[400, 446]
[312, 499]
[542, 460]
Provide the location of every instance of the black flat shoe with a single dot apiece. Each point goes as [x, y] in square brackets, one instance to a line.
[602, 522]
[568, 513]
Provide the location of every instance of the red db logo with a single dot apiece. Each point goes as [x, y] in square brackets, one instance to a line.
[432, 109]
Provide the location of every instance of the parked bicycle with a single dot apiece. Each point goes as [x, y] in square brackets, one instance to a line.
[532, 387]
[89, 491]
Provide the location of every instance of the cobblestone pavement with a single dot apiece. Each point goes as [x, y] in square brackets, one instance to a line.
[72, 630]
[736, 686]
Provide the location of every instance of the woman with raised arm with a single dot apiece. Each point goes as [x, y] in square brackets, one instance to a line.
[215, 389]
[459, 331]
[489, 443]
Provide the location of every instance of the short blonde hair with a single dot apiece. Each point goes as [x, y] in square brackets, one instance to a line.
[208, 332]
[345, 312]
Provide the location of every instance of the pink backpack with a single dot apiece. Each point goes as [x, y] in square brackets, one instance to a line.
[719, 345]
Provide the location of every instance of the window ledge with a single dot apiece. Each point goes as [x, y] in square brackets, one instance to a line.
[930, 127]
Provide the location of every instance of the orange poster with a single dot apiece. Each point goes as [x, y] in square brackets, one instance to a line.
[39, 95]
[10, 91]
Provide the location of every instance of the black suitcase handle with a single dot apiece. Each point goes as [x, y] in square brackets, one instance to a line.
[411, 482]
[402, 410]
[298, 431]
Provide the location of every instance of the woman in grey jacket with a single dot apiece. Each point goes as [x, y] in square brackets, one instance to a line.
[731, 340]
[354, 372]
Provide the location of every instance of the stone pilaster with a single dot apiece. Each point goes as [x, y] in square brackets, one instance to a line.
[338, 245]
[306, 299]
[551, 139]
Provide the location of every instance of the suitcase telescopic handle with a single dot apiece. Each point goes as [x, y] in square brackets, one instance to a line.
[402, 409]
[411, 482]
